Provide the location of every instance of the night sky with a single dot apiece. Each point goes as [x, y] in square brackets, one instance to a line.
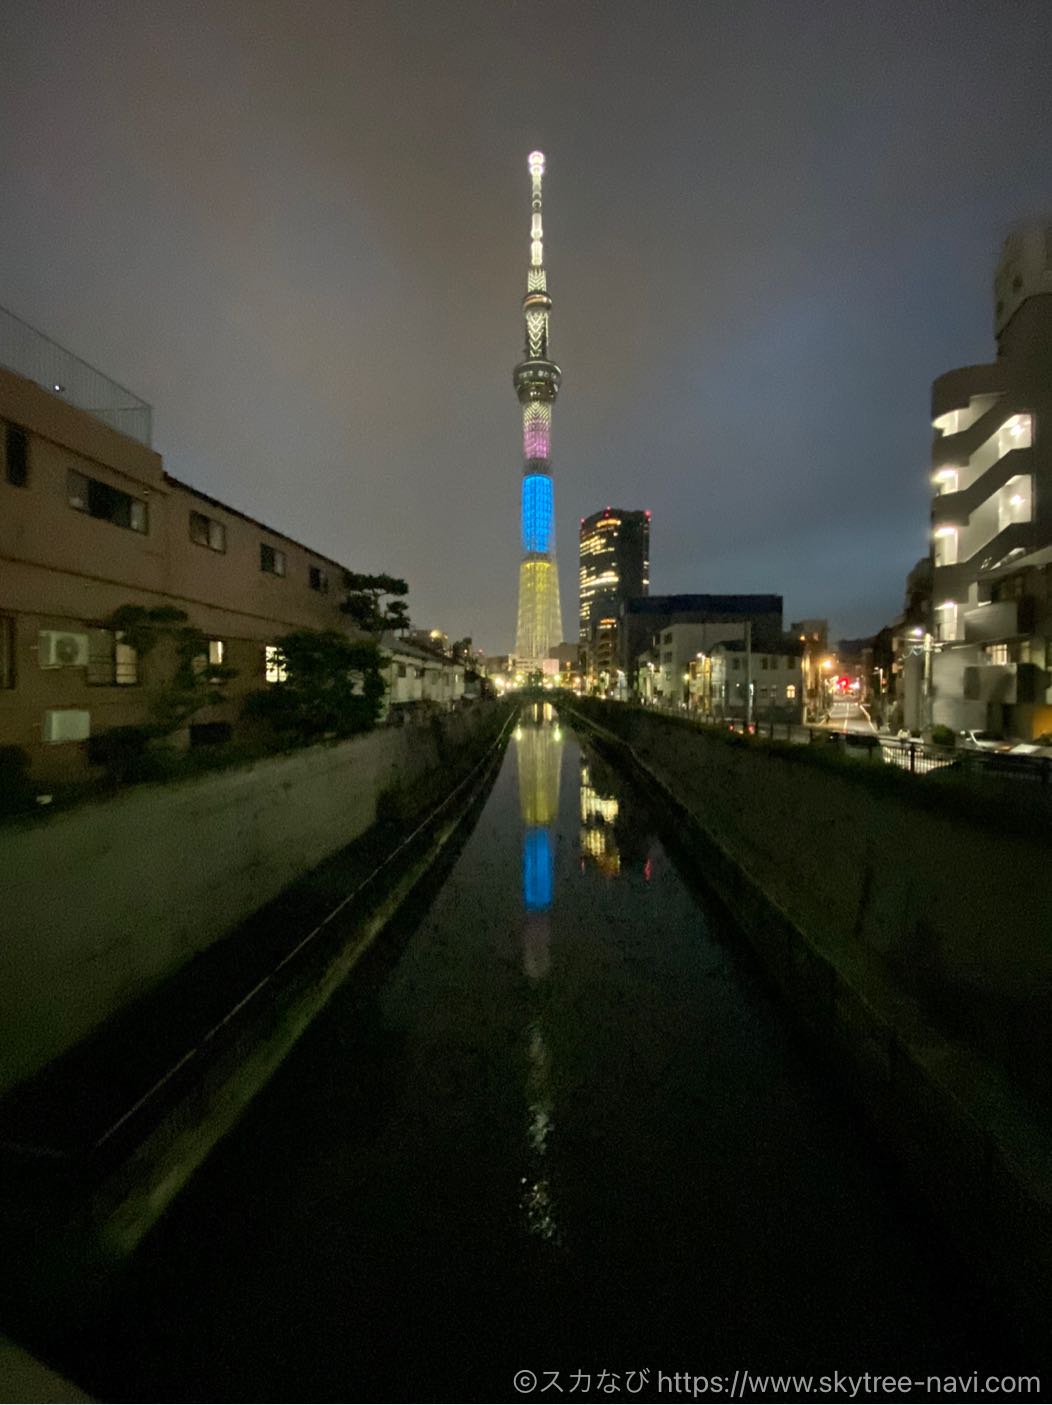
[300, 230]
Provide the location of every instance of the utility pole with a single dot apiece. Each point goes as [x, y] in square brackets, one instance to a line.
[748, 674]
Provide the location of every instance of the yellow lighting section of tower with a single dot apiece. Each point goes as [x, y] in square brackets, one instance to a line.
[539, 622]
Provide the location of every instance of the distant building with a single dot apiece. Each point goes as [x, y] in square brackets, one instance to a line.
[614, 567]
[987, 636]
[664, 669]
[642, 619]
[813, 638]
[721, 686]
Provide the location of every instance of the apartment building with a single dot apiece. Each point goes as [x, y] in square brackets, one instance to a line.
[89, 522]
[989, 631]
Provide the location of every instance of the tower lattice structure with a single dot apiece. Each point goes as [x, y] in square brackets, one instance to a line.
[537, 378]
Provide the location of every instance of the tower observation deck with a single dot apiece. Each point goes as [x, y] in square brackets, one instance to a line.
[536, 379]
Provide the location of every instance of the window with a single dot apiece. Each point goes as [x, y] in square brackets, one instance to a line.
[790, 691]
[100, 500]
[212, 659]
[319, 580]
[274, 668]
[271, 560]
[401, 670]
[736, 664]
[764, 663]
[206, 531]
[997, 653]
[16, 444]
[111, 662]
[7, 651]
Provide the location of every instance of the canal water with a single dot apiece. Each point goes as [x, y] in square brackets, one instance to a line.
[554, 1122]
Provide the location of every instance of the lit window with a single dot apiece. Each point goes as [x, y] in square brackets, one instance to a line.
[997, 653]
[271, 560]
[216, 652]
[206, 531]
[111, 662]
[101, 500]
[274, 667]
[790, 691]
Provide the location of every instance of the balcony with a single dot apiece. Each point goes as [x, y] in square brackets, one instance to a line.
[29, 353]
[1000, 619]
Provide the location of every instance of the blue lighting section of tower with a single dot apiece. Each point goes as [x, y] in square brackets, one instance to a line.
[537, 512]
[537, 869]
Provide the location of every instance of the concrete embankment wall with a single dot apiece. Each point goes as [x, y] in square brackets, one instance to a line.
[104, 901]
[915, 946]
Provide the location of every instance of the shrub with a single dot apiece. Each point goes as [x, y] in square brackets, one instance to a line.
[942, 736]
[16, 790]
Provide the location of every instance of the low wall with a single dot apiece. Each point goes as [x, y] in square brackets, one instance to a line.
[102, 902]
[959, 914]
[915, 947]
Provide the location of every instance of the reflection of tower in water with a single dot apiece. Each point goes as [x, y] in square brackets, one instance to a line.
[539, 748]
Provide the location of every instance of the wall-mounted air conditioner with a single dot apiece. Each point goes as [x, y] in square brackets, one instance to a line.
[59, 649]
[66, 724]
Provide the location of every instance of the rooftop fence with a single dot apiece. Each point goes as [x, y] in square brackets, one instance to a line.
[29, 353]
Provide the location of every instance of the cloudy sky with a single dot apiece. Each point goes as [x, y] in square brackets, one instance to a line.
[299, 228]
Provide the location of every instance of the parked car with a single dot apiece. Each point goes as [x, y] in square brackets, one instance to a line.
[972, 740]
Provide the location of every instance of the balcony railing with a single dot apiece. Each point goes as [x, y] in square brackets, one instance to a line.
[29, 353]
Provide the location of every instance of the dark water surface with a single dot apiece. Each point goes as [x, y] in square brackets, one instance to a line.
[556, 1123]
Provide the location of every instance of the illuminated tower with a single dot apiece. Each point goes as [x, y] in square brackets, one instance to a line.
[537, 378]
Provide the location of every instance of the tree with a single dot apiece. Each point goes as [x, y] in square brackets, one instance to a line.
[365, 605]
[192, 684]
[333, 686]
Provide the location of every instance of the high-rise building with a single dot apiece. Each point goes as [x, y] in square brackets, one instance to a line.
[537, 377]
[614, 567]
[986, 649]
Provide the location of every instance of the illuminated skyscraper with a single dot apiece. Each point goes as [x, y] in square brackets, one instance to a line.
[537, 378]
[615, 566]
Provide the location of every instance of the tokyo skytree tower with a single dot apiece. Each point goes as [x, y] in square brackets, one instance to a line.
[537, 379]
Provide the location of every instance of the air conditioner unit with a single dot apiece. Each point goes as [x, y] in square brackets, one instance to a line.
[61, 650]
[66, 724]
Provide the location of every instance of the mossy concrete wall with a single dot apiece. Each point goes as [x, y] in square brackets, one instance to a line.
[102, 902]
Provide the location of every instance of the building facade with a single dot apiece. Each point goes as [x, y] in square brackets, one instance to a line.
[985, 648]
[644, 617]
[614, 547]
[90, 522]
[537, 379]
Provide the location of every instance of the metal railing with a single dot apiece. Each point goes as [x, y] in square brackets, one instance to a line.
[917, 757]
[29, 353]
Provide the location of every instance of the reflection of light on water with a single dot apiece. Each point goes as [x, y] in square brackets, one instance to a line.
[601, 847]
[602, 808]
[598, 841]
[537, 1202]
[538, 746]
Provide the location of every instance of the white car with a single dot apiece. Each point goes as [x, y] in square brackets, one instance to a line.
[972, 740]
